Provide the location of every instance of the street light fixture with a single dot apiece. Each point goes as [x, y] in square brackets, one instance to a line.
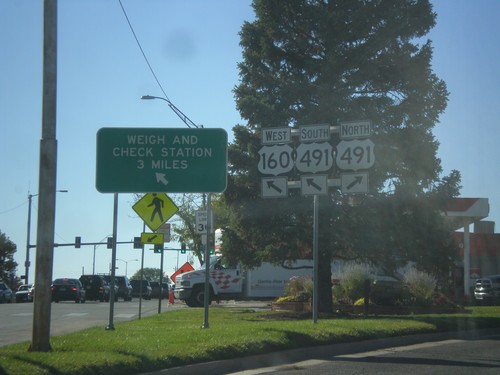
[178, 112]
[126, 263]
[28, 246]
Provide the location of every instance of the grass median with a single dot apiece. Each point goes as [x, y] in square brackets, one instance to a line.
[176, 339]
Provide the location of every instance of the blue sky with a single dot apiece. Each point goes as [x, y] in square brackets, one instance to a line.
[193, 47]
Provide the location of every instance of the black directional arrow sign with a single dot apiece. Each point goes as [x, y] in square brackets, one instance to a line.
[152, 238]
[271, 185]
[275, 187]
[354, 183]
[357, 181]
[314, 184]
[310, 182]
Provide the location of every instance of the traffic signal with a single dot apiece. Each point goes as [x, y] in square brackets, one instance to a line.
[109, 244]
[211, 251]
[158, 249]
[78, 242]
[137, 243]
[183, 248]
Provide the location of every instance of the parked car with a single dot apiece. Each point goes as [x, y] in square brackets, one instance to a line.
[24, 294]
[124, 288]
[6, 294]
[67, 290]
[31, 292]
[155, 290]
[487, 290]
[96, 288]
[136, 288]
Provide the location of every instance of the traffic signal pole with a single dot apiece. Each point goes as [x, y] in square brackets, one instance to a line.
[111, 325]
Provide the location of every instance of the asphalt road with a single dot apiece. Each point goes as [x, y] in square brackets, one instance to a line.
[16, 322]
[457, 353]
[479, 356]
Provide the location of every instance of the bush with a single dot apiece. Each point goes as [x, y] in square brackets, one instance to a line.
[299, 289]
[351, 283]
[421, 286]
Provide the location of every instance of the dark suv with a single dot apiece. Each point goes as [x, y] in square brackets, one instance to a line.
[487, 290]
[96, 287]
[124, 288]
[67, 289]
[136, 288]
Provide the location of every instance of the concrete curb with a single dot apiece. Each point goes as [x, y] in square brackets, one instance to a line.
[317, 352]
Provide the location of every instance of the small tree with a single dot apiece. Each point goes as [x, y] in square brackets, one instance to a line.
[150, 274]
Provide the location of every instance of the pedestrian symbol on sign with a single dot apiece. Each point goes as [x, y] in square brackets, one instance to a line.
[155, 209]
[158, 205]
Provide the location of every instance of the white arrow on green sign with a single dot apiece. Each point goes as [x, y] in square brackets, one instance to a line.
[176, 160]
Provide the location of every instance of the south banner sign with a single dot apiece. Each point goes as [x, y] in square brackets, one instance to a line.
[155, 209]
[146, 160]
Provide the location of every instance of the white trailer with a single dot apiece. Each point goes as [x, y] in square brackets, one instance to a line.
[232, 283]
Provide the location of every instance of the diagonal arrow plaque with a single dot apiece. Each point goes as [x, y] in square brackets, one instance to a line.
[354, 183]
[314, 184]
[152, 238]
[275, 187]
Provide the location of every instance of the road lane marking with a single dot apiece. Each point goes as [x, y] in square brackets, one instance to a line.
[76, 314]
[126, 316]
[406, 348]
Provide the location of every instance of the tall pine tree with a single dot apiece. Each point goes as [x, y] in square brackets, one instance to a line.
[329, 61]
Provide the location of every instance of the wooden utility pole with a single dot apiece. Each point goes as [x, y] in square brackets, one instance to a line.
[47, 185]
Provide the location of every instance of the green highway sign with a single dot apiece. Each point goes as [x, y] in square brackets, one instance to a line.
[173, 160]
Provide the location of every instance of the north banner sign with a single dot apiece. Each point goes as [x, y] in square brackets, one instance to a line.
[177, 160]
[355, 129]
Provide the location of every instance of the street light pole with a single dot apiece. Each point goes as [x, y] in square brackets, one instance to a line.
[93, 259]
[27, 262]
[126, 263]
[28, 231]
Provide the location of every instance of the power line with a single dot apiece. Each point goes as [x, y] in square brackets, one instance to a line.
[12, 209]
[189, 123]
[142, 51]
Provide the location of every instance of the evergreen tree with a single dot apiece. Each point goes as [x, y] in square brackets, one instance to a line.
[329, 61]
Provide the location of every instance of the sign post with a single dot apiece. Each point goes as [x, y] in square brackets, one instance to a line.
[313, 158]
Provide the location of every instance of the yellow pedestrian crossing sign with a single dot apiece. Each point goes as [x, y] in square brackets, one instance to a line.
[155, 209]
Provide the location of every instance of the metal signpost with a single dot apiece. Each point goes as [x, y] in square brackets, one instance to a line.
[314, 157]
[154, 160]
[155, 209]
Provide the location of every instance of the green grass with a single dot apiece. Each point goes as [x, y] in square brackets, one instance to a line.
[176, 338]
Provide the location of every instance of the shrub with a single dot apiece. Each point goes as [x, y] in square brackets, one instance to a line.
[299, 288]
[421, 286]
[351, 283]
